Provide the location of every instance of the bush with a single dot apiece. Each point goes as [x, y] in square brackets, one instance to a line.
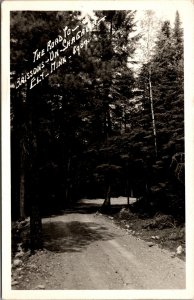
[160, 222]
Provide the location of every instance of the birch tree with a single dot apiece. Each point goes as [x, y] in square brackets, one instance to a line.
[149, 27]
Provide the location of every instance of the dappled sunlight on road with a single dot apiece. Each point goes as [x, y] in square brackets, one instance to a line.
[73, 236]
[114, 201]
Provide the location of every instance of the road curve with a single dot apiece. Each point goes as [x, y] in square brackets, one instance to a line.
[87, 251]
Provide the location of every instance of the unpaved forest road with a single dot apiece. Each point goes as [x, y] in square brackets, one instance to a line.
[85, 250]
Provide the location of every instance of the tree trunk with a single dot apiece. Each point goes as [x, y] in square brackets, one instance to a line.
[36, 240]
[125, 123]
[68, 183]
[152, 112]
[128, 192]
[128, 198]
[107, 122]
[35, 229]
[22, 192]
[131, 192]
[106, 204]
[149, 28]
[23, 136]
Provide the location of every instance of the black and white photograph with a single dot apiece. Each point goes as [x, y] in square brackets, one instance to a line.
[94, 177]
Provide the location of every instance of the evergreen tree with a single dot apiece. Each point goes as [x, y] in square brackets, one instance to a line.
[115, 78]
[31, 114]
[167, 86]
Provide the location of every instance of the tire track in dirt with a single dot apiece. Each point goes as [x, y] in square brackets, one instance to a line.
[89, 252]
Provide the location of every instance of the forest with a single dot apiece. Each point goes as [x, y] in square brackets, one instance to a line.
[91, 118]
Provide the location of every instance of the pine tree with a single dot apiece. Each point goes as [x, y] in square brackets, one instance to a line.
[167, 86]
[34, 30]
[116, 81]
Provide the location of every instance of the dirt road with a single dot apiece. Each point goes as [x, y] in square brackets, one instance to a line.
[85, 250]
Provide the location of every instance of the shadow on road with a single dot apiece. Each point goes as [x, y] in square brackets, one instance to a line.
[83, 209]
[88, 209]
[91, 209]
[73, 236]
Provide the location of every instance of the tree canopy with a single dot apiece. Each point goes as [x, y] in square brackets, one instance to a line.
[82, 119]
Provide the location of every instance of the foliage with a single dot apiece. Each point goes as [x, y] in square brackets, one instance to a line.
[167, 82]
[86, 130]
